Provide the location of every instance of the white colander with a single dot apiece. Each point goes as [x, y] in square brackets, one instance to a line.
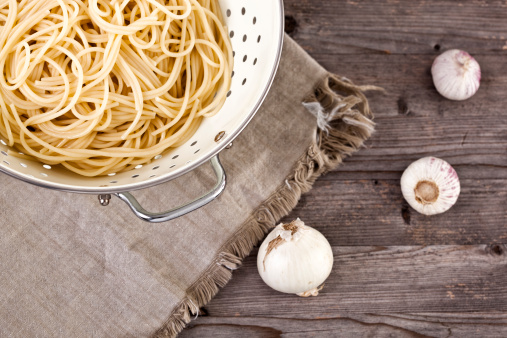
[256, 31]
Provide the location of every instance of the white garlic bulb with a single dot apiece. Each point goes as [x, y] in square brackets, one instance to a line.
[430, 185]
[456, 75]
[295, 258]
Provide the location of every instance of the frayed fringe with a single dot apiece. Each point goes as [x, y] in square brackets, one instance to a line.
[328, 105]
[344, 123]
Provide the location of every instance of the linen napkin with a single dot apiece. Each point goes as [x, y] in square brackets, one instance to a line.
[72, 268]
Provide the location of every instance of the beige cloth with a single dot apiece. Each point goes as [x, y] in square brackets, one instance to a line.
[72, 268]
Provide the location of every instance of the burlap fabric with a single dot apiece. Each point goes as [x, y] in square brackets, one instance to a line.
[72, 268]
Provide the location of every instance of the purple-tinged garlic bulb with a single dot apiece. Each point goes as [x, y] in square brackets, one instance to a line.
[456, 75]
[430, 185]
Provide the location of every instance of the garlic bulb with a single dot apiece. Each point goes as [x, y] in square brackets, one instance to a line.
[430, 185]
[295, 258]
[456, 75]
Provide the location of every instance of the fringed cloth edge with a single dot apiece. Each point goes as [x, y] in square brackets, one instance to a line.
[344, 122]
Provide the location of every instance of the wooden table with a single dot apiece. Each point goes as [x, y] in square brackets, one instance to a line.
[396, 272]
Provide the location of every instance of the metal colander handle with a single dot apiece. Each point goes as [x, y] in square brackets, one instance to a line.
[151, 217]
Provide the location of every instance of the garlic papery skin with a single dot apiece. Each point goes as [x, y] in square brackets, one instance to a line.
[430, 185]
[456, 75]
[295, 258]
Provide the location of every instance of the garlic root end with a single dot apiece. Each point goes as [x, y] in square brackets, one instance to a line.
[311, 293]
[426, 192]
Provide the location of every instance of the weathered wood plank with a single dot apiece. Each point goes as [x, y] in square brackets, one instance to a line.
[406, 279]
[226, 330]
[442, 325]
[397, 27]
[373, 212]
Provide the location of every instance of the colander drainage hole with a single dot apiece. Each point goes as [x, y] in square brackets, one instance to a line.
[254, 20]
[4, 153]
[158, 157]
[175, 157]
[231, 34]
[228, 12]
[259, 39]
[3, 142]
[7, 163]
[139, 166]
[46, 166]
[193, 143]
[244, 58]
[135, 176]
[44, 174]
[155, 167]
[113, 182]
[255, 62]
[244, 38]
[111, 174]
[244, 81]
[229, 93]
[174, 165]
[243, 11]
[23, 165]
[153, 176]
[197, 151]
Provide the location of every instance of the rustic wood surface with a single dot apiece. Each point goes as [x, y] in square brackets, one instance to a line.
[397, 273]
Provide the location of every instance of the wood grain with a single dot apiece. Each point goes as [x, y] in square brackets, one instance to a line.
[397, 273]
[379, 291]
[442, 325]
[376, 279]
[398, 26]
[373, 212]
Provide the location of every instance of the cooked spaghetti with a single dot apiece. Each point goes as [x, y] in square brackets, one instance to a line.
[101, 86]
